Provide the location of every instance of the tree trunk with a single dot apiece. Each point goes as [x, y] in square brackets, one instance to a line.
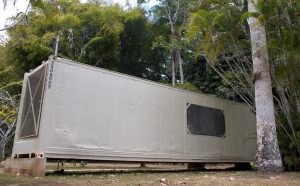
[173, 72]
[268, 156]
[180, 66]
[177, 63]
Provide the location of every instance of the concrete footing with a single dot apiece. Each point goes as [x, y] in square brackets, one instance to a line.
[26, 166]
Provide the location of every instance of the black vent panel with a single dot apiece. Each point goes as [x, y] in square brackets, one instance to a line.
[32, 103]
[205, 121]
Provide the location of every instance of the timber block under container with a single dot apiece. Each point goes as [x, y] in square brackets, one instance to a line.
[26, 167]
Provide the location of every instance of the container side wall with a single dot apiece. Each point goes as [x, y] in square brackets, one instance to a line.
[97, 114]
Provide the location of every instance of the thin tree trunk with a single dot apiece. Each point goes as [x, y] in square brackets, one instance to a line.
[178, 63]
[173, 72]
[268, 156]
[180, 69]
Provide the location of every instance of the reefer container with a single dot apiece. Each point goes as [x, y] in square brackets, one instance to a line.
[70, 110]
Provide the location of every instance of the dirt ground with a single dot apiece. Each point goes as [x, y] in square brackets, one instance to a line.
[151, 175]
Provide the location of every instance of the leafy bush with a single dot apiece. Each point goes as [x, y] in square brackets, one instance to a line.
[187, 86]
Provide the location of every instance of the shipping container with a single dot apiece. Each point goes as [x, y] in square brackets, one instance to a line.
[70, 110]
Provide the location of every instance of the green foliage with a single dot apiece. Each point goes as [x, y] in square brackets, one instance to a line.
[187, 86]
[184, 86]
[8, 115]
[107, 37]
[14, 88]
[134, 43]
[247, 15]
[202, 76]
[101, 52]
[9, 80]
[208, 30]
[215, 32]
[175, 15]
